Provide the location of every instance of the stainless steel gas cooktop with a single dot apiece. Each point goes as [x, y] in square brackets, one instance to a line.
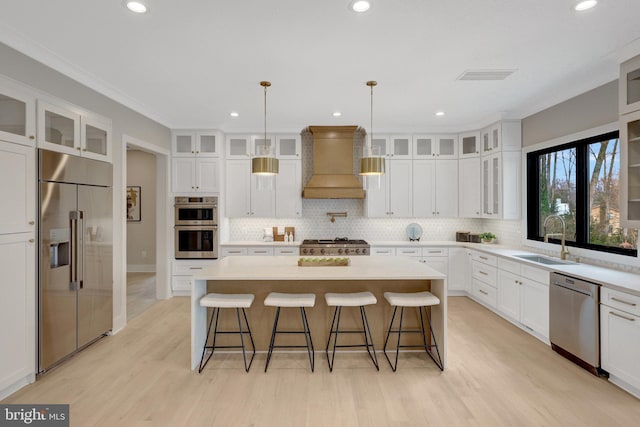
[337, 246]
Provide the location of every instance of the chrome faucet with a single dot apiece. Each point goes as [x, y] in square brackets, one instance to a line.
[563, 251]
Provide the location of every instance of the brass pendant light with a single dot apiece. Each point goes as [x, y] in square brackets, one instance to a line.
[370, 164]
[265, 164]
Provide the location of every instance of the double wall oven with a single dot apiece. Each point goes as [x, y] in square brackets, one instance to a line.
[196, 227]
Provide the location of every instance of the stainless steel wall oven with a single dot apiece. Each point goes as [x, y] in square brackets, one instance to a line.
[196, 228]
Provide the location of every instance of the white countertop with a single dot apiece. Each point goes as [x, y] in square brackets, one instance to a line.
[286, 268]
[258, 243]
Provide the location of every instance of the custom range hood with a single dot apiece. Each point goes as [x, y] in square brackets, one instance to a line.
[333, 164]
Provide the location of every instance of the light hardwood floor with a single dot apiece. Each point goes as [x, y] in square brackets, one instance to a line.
[497, 376]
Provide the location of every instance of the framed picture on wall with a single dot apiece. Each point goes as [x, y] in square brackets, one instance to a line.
[133, 204]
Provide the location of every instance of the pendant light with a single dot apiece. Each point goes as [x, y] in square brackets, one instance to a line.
[265, 164]
[371, 164]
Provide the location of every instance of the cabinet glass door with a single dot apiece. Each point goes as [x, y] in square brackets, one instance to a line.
[183, 144]
[238, 147]
[401, 146]
[469, 145]
[380, 146]
[206, 144]
[17, 113]
[424, 146]
[447, 146]
[495, 183]
[262, 147]
[495, 137]
[58, 128]
[633, 170]
[486, 143]
[630, 86]
[288, 147]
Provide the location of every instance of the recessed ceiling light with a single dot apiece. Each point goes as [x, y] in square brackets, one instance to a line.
[337, 114]
[440, 113]
[583, 5]
[360, 5]
[136, 6]
[234, 114]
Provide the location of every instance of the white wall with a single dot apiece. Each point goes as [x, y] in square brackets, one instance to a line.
[141, 236]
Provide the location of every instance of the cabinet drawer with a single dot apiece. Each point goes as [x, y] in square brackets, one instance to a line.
[508, 265]
[484, 258]
[383, 251]
[537, 274]
[620, 344]
[260, 251]
[187, 269]
[484, 293]
[408, 251]
[620, 300]
[435, 252]
[292, 251]
[233, 251]
[484, 272]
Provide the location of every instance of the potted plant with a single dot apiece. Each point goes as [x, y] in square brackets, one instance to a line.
[488, 237]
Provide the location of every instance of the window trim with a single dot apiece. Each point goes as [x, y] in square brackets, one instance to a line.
[532, 173]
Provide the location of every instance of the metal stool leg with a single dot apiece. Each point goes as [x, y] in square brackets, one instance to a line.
[334, 332]
[399, 332]
[253, 346]
[307, 336]
[435, 344]
[204, 348]
[273, 338]
[331, 333]
[367, 330]
[244, 353]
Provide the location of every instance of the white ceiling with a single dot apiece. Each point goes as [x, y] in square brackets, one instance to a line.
[188, 63]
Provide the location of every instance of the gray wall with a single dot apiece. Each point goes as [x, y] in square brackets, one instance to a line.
[588, 110]
[141, 236]
[125, 122]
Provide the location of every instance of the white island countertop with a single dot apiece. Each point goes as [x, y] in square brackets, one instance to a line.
[286, 268]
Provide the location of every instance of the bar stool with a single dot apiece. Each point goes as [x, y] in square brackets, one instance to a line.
[218, 302]
[419, 300]
[280, 300]
[357, 299]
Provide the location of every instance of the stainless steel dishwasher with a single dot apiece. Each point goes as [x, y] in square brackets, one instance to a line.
[574, 321]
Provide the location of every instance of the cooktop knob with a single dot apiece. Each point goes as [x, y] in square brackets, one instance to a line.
[311, 251]
[304, 251]
[340, 251]
[346, 251]
[364, 251]
[322, 251]
[357, 251]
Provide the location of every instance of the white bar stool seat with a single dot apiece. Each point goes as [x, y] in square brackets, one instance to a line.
[354, 299]
[301, 301]
[415, 299]
[218, 302]
[275, 299]
[419, 300]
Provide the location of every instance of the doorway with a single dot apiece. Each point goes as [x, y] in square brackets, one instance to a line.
[145, 170]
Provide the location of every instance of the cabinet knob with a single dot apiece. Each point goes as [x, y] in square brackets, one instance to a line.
[32, 137]
[78, 148]
[32, 222]
[32, 240]
[197, 188]
[192, 152]
[197, 152]
[438, 213]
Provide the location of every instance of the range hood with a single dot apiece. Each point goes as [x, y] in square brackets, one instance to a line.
[333, 164]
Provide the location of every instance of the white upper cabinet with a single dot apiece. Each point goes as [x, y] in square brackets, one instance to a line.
[434, 181]
[65, 129]
[242, 195]
[58, 128]
[18, 188]
[289, 147]
[501, 185]
[95, 137]
[196, 143]
[469, 188]
[505, 135]
[469, 144]
[238, 147]
[394, 198]
[400, 147]
[381, 146]
[195, 175]
[17, 114]
[432, 146]
[629, 87]
[289, 189]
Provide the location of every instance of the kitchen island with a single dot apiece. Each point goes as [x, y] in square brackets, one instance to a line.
[261, 275]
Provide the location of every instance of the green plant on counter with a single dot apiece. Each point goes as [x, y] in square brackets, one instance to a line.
[488, 237]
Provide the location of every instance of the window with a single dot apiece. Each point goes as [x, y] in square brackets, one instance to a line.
[580, 183]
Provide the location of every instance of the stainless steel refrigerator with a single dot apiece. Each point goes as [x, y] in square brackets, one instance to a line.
[75, 278]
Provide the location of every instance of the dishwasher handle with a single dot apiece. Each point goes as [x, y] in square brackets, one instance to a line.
[576, 285]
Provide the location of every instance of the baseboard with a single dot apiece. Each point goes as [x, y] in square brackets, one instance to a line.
[181, 293]
[141, 268]
[9, 390]
[634, 391]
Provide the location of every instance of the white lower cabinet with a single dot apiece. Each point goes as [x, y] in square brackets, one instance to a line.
[183, 271]
[17, 311]
[620, 338]
[523, 299]
[382, 251]
[262, 250]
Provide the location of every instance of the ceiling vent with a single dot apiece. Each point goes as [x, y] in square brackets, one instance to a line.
[479, 75]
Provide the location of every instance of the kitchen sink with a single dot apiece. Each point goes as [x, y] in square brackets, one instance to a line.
[544, 259]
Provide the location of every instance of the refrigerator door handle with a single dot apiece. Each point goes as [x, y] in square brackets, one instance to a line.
[80, 234]
[73, 267]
